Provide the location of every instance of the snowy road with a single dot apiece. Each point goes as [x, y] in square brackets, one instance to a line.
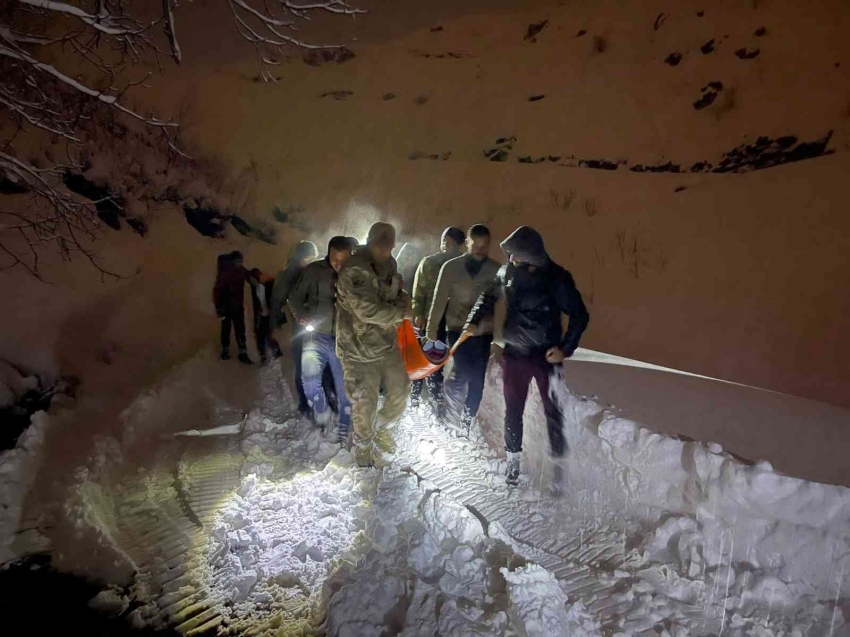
[274, 532]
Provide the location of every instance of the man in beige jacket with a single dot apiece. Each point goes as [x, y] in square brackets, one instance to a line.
[461, 282]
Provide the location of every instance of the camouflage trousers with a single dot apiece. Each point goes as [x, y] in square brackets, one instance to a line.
[363, 382]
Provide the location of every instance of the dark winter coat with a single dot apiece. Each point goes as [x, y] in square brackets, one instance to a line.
[229, 290]
[261, 295]
[284, 283]
[535, 300]
[407, 261]
[314, 297]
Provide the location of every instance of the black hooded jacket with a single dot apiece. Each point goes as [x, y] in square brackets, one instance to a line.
[535, 300]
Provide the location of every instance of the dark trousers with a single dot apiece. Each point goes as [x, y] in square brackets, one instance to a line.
[262, 330]
[465, 383]
[519, 370]
[234, 319]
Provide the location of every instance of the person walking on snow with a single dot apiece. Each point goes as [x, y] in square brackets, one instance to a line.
[261, 297]
[313, 306]
[284, 283]
[370, 306]
[536, 292]
[461, 282]
[229, 300]
[424, 285]
[407, 260]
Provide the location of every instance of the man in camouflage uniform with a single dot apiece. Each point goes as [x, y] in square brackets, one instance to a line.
[370, 306]
[424, 285]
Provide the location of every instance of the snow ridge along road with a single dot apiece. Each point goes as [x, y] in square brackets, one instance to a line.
[276, 532]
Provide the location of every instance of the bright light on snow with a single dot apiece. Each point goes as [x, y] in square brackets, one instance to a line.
[647, 531]
[275, 543]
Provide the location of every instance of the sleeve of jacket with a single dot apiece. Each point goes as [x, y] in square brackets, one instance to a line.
[301, 297]
[357, 290]
[441, 299]
[485, 306]
[570, 303]
[280, 296]
[420, 290]
[216, 295]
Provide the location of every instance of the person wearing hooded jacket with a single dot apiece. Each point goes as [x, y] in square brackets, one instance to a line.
[536, 292]
[229, 301]
[284, 283]
[407, 261]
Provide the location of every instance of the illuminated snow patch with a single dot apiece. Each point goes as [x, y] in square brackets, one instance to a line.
[275, 543]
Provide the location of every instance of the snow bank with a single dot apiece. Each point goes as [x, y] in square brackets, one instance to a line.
[18, 468]
[540, 608]
[13, 385]
[721, 531]
[274, 544]
[307, 542]
[431, 570]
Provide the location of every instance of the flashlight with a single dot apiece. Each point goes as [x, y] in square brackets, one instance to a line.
[309, 328]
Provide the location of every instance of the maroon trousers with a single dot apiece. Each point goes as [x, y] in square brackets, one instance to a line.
[519, 369]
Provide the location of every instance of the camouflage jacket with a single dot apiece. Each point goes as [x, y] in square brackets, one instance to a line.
[370, 307]
[426, 281]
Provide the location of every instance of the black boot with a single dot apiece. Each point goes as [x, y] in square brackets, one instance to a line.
[225, 353]
[243, 358]
[512, 470]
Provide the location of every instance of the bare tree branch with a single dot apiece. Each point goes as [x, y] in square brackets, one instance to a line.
[170, 31]
[105, 44]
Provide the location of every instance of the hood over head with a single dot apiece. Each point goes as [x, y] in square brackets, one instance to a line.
[408, 253]
[527, 244]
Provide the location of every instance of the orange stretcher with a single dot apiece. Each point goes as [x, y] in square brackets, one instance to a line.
[418, 365]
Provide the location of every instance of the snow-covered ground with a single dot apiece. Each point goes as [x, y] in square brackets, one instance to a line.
[274, 531]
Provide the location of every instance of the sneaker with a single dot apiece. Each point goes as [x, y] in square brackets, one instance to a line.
[243, 358]
[225, 354]
[435, 351]
[512, 470]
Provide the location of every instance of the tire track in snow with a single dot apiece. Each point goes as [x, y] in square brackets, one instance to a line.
[168, 543]
[594, 568]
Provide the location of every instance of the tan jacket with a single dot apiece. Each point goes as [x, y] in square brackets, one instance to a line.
[456, 294]
[425, 282]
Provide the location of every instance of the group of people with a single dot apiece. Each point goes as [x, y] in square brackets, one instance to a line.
[229, 301]
[347, 307]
